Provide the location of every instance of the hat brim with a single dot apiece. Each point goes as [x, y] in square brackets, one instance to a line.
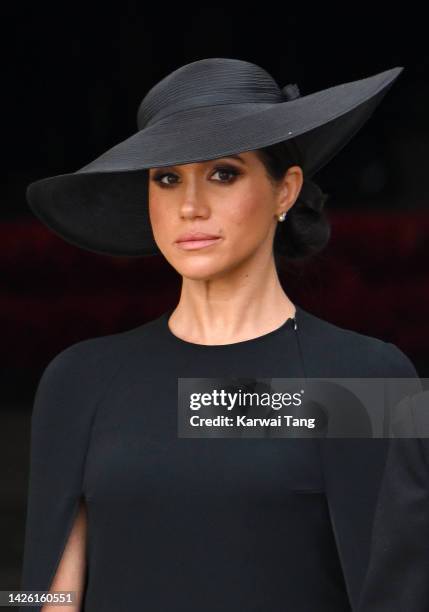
[103, 206]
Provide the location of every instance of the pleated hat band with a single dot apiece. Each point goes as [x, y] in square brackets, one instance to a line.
[191, 87]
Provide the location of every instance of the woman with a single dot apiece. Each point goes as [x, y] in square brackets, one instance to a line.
[121, 509]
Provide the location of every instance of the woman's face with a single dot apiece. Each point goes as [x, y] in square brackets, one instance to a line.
[231, 199]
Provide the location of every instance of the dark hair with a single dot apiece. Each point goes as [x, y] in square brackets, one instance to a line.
[306, 229]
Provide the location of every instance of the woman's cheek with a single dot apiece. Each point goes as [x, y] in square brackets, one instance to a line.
[243, 210]
[159, 220]
[250, 217]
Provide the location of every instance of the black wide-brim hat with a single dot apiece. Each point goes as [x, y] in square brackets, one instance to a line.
[204, 110]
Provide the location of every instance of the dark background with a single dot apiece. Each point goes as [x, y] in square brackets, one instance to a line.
[72, 79]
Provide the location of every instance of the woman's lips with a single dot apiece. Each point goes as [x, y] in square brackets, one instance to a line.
[190, 245]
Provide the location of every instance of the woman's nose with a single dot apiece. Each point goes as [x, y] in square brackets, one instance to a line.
[193, 200]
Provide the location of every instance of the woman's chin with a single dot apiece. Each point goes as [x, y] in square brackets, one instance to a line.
[200, 272]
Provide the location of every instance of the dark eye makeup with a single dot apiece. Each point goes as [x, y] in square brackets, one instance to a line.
[221, 168]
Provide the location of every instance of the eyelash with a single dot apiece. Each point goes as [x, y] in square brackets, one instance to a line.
[233, 171]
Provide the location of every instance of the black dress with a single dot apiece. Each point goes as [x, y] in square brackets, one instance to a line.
[225, 524]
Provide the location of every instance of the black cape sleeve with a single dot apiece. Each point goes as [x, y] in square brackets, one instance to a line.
[398, 575]
[353, 471]
[60, 431]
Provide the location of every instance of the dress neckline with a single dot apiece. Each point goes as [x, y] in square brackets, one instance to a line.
[289, 324]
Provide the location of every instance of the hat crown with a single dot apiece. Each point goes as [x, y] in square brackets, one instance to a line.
[207, 82]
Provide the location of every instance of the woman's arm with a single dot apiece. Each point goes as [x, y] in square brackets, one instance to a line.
[70, 575]
[63, 412]
[354, 470]
[398, 574]
[397, 579]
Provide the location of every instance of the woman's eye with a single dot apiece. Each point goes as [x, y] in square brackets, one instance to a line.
[158, 178]
[230, 171]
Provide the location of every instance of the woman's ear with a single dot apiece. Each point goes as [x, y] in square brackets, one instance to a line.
[290, 188]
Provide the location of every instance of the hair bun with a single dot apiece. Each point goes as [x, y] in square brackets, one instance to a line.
[306, 229]
[312, 196]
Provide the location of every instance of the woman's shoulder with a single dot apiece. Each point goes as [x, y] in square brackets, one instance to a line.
[81, 373]
[102, 351]
[346, 346]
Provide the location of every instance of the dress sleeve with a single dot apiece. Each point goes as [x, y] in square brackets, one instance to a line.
[354, 470]
[398, 575]
[60, 430]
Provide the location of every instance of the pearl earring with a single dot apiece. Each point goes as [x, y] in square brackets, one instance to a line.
[282, 217]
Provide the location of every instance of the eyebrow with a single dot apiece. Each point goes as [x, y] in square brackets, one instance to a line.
[234, 157]
[212, 160]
